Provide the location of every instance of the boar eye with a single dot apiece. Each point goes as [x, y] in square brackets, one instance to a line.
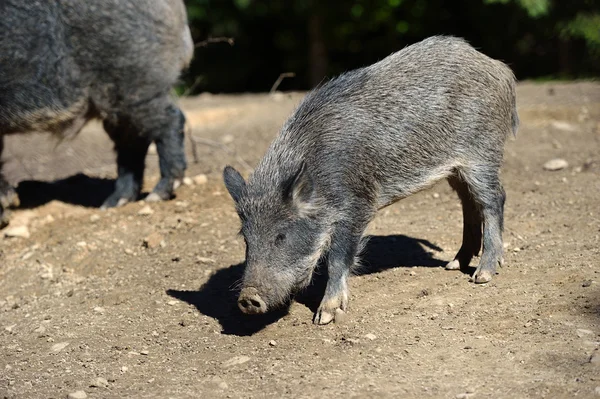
[279, 239]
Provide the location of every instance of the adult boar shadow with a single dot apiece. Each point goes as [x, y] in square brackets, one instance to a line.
[78, 189]
[217, 298]
[380, 253]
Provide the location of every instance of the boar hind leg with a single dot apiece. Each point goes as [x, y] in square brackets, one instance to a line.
[471, 242]
[484, 184]
[342, 254]
[131, 149]
[169, 138]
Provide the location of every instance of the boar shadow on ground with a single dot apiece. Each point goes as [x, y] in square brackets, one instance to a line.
[217, 298]
[380, 253]
[78, 189]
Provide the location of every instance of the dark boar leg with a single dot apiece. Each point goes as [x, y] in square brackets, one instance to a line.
[487, 191]
[471, 242]
[131, 150]
[170, 147]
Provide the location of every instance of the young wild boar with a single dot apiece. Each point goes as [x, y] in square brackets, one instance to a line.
[65, 62]
[362, 141]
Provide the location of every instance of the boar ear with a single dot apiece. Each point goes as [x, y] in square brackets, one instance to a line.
[299, 189]
[234, 182]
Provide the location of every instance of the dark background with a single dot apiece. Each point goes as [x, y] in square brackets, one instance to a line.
[539, 39]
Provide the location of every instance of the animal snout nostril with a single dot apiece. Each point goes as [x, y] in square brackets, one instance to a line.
[251, 302]
[254, 303]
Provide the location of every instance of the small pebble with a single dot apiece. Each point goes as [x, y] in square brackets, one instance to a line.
[144, 352]
[227, 139]
[154, 240]
[17, 232]
[58, 347]
[172, 303]
[595, 359]
[94, 218]
[200, 179]
[99, 310]
[412, 273]
[272, 343]
[436, 195]
[587, 283]
[370, 336]
[581, 332]
[556, 164]
[188, 181]
[99, 383]
[234, 361]
[145, 211]
[124, 369]
[77, 395]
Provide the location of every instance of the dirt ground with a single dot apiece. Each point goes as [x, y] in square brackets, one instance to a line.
[86, 305]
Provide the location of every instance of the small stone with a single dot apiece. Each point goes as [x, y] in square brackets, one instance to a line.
[145, 211]
[200, 179]
[234, 361]
[154, 240]
[172, 303]
[98, 310]
[370, 336]
[124, 369]
[581, 332]
[58, 347]
[464, 395]
[99, 383]
[201, 259]
[272, 343]
[412, 273]
[94, 218]
[516, 249]
[17, 232]
[227, 139]
[556, 164]
[10, 328]
[595, 359]
[144, 352]
[129, 251]
[188, 181]
[77, 395]
[436, 195]
[40, 330]
[587, 283]
[155, 334]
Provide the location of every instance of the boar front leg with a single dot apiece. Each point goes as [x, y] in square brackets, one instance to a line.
[345, 246]
[8, 195]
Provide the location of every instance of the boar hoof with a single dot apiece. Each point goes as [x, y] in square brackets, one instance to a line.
[453, 265]
[482, 276]
[323, 316]
[153, 197]
[9, 198]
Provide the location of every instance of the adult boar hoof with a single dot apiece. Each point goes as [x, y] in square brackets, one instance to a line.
[453, 265]
[482, 276]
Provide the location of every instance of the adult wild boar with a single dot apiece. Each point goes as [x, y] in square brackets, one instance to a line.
[362, 141]
[64, 62]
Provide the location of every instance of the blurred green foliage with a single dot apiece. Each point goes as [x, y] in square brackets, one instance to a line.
[318, 39]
